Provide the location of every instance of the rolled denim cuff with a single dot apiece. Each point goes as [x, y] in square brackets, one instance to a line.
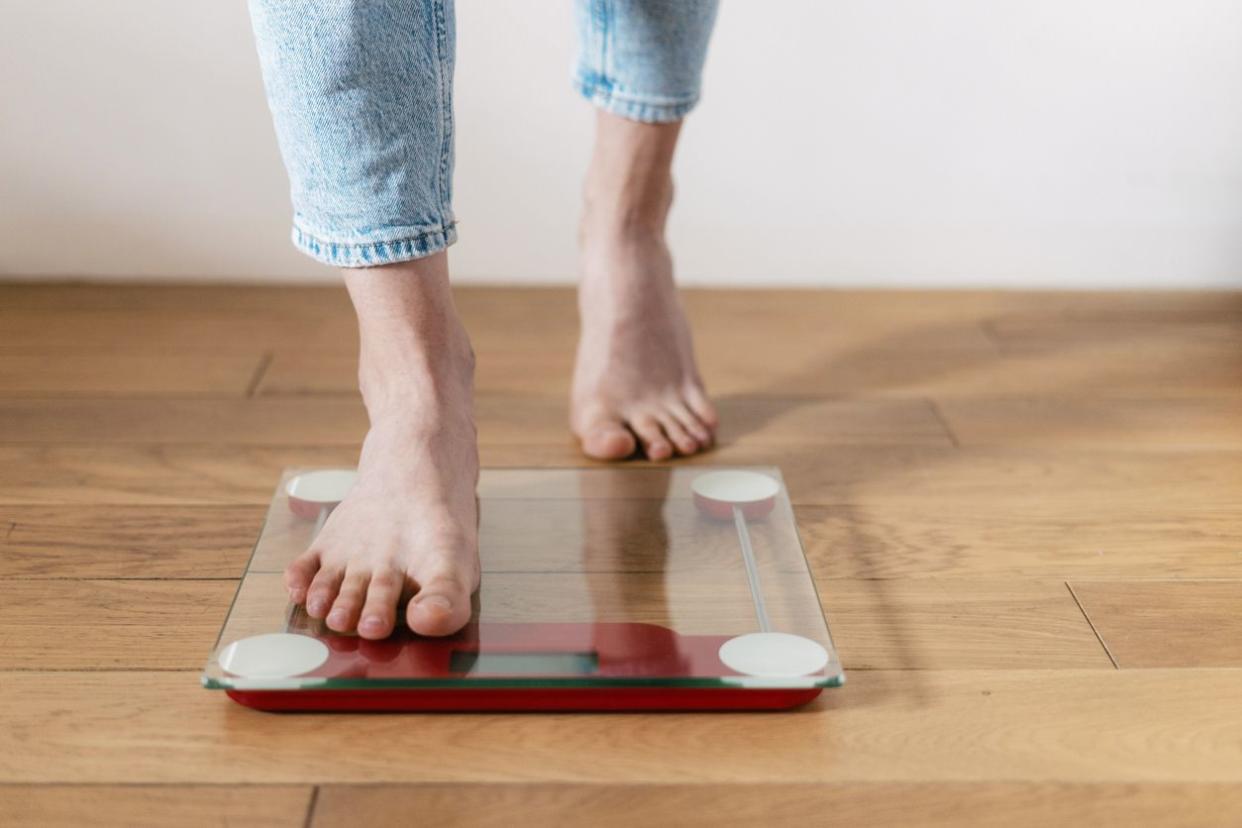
[387, 246]
[645, 108]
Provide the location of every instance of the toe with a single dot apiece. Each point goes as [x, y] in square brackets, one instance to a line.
[344, 614]
[608, 440]
[655, 443]
[678, 435]
[441, 607]
[702, 407]
[300, 573]
[379, 615]
[322, 591]
[691, 423]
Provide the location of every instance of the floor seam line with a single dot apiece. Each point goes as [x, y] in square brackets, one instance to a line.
[987, 326]
[310, 807]
[1091, 624]
[179, 578]
[944, 422]
[260, 372]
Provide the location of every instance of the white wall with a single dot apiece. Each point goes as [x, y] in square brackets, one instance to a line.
[880, 142]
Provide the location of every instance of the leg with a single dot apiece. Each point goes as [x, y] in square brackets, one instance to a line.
[360, 95]
[636, 383]
[409, 528]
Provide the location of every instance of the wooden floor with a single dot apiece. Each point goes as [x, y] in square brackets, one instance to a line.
[1023, 511]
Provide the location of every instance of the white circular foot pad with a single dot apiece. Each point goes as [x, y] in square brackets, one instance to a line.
[324, 486]
[273, 655]
[735, 486]
[773, 655]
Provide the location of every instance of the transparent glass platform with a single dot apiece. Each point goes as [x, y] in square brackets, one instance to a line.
[593, 579]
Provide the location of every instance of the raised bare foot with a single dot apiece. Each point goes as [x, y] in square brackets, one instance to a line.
[408, 530]
[635, 382]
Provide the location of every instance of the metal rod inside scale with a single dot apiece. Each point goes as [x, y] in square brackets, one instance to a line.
[752, 569]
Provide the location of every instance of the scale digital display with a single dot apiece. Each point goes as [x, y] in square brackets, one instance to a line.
[524, 664]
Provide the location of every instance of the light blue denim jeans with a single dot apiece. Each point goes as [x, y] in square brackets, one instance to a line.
[361, 92]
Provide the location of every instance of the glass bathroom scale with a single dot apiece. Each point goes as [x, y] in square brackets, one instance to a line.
[602, 589]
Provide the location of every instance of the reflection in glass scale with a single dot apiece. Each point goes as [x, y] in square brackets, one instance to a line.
[648, 616]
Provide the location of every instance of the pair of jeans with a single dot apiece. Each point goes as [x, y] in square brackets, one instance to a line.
[361, 93]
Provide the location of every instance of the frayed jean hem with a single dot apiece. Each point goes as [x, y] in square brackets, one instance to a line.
[634, 107]
[417, 245]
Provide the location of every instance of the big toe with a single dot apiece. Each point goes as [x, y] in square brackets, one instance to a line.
[608, 440]
[442, 607]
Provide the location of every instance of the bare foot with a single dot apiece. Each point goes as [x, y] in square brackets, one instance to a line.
[635, 382]
[408, 530]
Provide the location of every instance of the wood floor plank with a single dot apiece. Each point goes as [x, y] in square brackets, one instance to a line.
[91, 541]
[153, 806]
[301, 317]
[991, 479]
[733, 361]
[1044, 535]
[796, 368]
[494, 317]
[164, 296]
[1218, 321]
[329, 421]
[942, 624]
[110, 624]
[302, 373]
[1166, 623]
[506, 315]
[158, 475]
[224, 331]
[907, 528]
[876, 805]
[73, 372]
[1205, 422]
[174, 420]
[808, 367]
[910, 625]
[899, 726]
[905, 304]
[941, 318]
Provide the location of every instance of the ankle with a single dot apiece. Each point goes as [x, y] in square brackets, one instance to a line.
[415, 353]
[626, 208]
[626, 266]
[629, 185]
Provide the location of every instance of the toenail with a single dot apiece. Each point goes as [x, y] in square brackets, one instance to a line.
[315, 607]
[437, 601]
[338, 617]
[372, 622]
